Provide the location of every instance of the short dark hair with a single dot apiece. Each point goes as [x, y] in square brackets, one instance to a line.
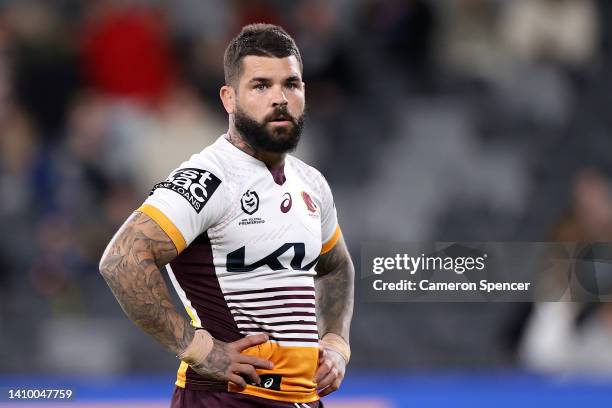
[264, 40]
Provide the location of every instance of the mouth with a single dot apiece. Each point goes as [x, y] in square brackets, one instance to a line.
[281, 119]
[281, 122]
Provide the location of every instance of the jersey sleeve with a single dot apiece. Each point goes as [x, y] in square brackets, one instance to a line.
[187, 203]
[330, 230]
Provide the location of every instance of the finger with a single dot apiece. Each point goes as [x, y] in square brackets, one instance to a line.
[330, 389]
[322, 355]
[238, 380]
[250, 341]
[322, 371]
[250, 371]
[328, 379]
[255, 361]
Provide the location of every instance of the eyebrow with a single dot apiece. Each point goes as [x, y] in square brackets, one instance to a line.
[292, 78]
[261, 79]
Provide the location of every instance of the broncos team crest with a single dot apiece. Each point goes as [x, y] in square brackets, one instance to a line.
[312, 207]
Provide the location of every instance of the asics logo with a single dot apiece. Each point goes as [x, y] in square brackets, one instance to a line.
[286, 203]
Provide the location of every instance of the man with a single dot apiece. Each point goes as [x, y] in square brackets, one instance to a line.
[249, 237]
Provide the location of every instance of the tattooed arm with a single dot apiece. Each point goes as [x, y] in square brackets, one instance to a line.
[131, 267]
[334, 289]
[334, 299]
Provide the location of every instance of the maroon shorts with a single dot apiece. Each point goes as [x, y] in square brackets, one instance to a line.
[184, 398]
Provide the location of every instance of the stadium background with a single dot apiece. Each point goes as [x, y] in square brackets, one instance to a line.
[481, 120]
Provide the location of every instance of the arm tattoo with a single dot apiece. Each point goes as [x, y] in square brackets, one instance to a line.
[334, 291]
[130, 265]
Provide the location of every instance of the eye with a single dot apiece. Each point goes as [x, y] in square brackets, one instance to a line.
[292, 85]
[260, 87]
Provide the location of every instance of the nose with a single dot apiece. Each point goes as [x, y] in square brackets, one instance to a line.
[279, 98]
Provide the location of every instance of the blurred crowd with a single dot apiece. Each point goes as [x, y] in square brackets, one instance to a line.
[432, 120]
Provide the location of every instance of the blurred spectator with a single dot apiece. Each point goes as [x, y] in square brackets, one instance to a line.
[402, 32]
[45, 64]
[568, 336]
[126, 53]
[561, 31]
[470, 42]
[590, 216]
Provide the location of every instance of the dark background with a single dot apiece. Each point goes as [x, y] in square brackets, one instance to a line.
[467, 120]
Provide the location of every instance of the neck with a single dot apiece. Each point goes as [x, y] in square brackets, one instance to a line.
[270, 159]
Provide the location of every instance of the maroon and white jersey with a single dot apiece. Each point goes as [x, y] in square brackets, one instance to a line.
[248, 241]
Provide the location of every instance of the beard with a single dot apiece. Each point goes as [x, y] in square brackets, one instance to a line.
[279, 139]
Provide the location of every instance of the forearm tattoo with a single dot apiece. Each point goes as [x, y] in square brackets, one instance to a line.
[130, 265]
[334, 284]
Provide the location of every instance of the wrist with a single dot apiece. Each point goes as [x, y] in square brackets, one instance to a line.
[338, 344]
[198, 350]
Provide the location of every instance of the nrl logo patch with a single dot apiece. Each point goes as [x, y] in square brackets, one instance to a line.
[249, 202]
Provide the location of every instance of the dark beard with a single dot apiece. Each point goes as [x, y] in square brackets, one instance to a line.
[278, 140]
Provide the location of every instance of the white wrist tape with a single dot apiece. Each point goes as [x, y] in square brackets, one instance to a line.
[337, 343]
[199, 348]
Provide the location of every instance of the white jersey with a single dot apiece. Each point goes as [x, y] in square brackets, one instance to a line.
[248, 240]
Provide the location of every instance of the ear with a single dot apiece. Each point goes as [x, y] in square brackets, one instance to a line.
[228, 98]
